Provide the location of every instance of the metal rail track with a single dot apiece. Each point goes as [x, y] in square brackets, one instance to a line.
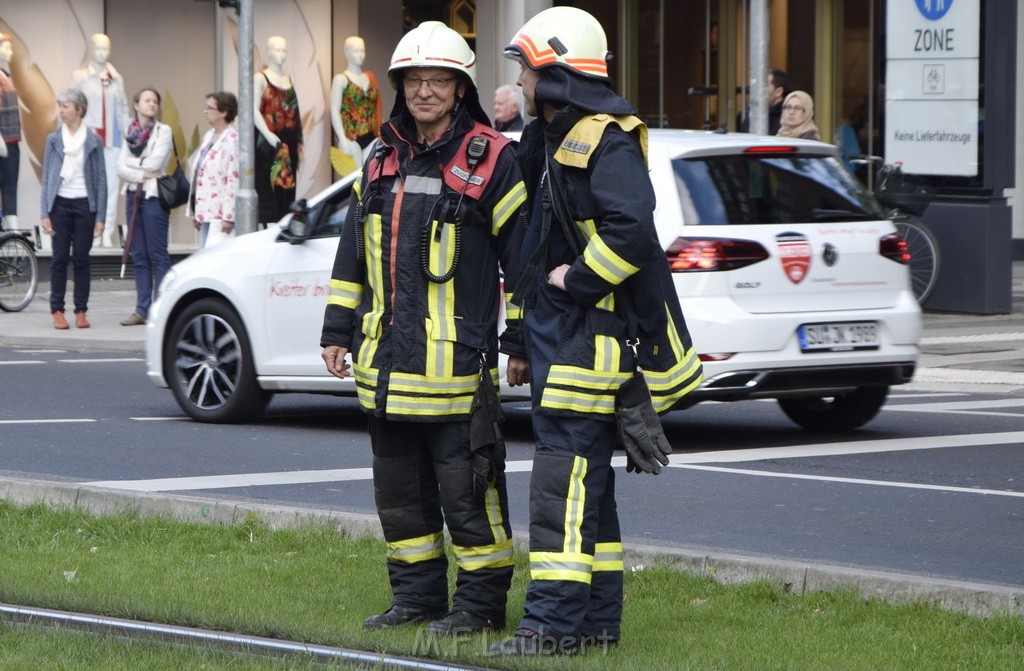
[100, 625]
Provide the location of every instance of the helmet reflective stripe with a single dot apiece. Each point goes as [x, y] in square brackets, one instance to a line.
[432, 45]
[562, 36]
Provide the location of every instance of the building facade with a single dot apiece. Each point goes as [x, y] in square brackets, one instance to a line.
[684, 64]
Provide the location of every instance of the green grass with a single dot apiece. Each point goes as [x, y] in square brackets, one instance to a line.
[312, 584]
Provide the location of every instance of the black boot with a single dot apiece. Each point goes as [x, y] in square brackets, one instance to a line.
[460, 622]
[398, 616]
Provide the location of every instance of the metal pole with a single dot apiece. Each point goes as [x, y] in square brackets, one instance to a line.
[759, 66]
[661, 64]
[245, 201]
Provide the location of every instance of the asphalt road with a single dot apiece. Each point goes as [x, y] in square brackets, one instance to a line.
[934, 486]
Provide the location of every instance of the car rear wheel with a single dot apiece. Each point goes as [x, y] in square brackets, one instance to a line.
[836, 413]
[208, 364]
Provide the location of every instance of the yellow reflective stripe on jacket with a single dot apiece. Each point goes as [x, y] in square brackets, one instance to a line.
[607, 353]
[429, 385]
[366, 380]
[608, 557]
[346, 294]
[424, 406]
[507, 206]
[578, 401]
[512, 311]
[611, 267]
[584, 378]
[373, 233]
[573, 566]
[498, 555]
[419, 549]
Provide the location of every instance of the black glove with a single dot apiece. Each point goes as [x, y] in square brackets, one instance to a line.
[486, 441]
[640, 430]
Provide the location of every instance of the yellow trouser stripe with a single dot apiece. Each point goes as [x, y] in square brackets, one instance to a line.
[507, 206]
[345, 294]
[572, 566]
[484, 556]
[574, 504]
[419, 549]
[608, 557]
[611, 267]
[492, 504]
[512, 311]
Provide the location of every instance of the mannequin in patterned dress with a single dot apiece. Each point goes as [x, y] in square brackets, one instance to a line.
[279, 134]
[355, 104]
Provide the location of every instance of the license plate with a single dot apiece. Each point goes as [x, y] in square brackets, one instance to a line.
[838, 337]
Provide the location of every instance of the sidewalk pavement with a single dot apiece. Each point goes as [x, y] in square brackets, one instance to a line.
[959, 353]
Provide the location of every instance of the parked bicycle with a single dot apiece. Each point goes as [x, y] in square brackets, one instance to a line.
[19, 270]
[905, 198]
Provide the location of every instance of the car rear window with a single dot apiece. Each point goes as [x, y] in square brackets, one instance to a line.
[757, 189]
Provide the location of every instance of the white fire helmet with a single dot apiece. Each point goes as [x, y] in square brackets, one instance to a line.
[562, 36]
[432, 45]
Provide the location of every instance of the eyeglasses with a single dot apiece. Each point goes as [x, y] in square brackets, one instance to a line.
[207, 108]
[435, 83]
[793, 108]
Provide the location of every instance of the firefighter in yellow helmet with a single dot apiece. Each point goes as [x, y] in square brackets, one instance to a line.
[414, 298]
[591, 273]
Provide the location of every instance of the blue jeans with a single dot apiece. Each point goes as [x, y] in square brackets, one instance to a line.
[9, 179]
[149, 249]
[73, 224]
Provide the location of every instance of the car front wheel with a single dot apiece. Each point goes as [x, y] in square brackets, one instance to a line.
[836, 413]
[209, 366]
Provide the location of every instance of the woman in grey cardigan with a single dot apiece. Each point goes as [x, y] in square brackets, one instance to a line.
[73, 203]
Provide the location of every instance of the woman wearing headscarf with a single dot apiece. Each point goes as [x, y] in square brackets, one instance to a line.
[798, 117]
[73, 201]
[143, 157]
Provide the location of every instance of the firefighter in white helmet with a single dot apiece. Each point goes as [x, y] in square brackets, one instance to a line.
[591, 279]
[414, 297]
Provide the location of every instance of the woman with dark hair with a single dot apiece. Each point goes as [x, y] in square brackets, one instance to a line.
[73, 201]
[143, 158]
[211, 202]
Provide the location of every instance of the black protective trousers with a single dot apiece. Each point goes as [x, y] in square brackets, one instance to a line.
[423, 480]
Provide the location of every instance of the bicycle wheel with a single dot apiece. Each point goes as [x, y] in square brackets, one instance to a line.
[924, 257]
[19, 273]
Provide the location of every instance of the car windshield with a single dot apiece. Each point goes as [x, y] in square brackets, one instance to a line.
[760, 189]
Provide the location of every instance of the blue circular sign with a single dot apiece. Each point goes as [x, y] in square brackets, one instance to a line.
[933, 10]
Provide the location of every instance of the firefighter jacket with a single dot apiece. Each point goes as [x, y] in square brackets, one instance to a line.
[619, 277]
[416, 343]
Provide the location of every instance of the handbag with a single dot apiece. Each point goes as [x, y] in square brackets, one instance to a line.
[173, 189]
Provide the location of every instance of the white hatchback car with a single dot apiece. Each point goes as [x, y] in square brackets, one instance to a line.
[793, 284]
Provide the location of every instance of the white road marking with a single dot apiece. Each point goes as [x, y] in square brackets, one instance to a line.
[969, 407]
[99, 360]
[159, 419]
[40, 351]
[18, 363]
[981, 337]
[43, 421]
[523, 466]
[960, 375]
[854, 481]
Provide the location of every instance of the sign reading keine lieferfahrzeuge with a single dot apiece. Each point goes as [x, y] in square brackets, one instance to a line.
[931, 86]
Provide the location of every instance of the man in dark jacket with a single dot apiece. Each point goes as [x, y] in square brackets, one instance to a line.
[590, 273]
[415, 298]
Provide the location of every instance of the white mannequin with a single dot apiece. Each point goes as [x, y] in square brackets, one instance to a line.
[277, 51]
[355, 54]
[6, 54]
[107, 114]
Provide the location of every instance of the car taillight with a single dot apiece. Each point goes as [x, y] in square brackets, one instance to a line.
[687, 255]
[894, 247]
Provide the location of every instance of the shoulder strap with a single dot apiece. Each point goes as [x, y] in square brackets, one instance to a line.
[582, 139]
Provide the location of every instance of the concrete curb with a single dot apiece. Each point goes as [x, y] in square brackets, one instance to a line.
[979, 599]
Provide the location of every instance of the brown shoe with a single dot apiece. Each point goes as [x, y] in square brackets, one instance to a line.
[80, 320]
[58, 320]
[134, 319]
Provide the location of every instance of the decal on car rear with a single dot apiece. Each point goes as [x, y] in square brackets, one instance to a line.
[795, 254]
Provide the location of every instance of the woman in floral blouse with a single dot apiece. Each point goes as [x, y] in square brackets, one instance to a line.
[211, 202]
